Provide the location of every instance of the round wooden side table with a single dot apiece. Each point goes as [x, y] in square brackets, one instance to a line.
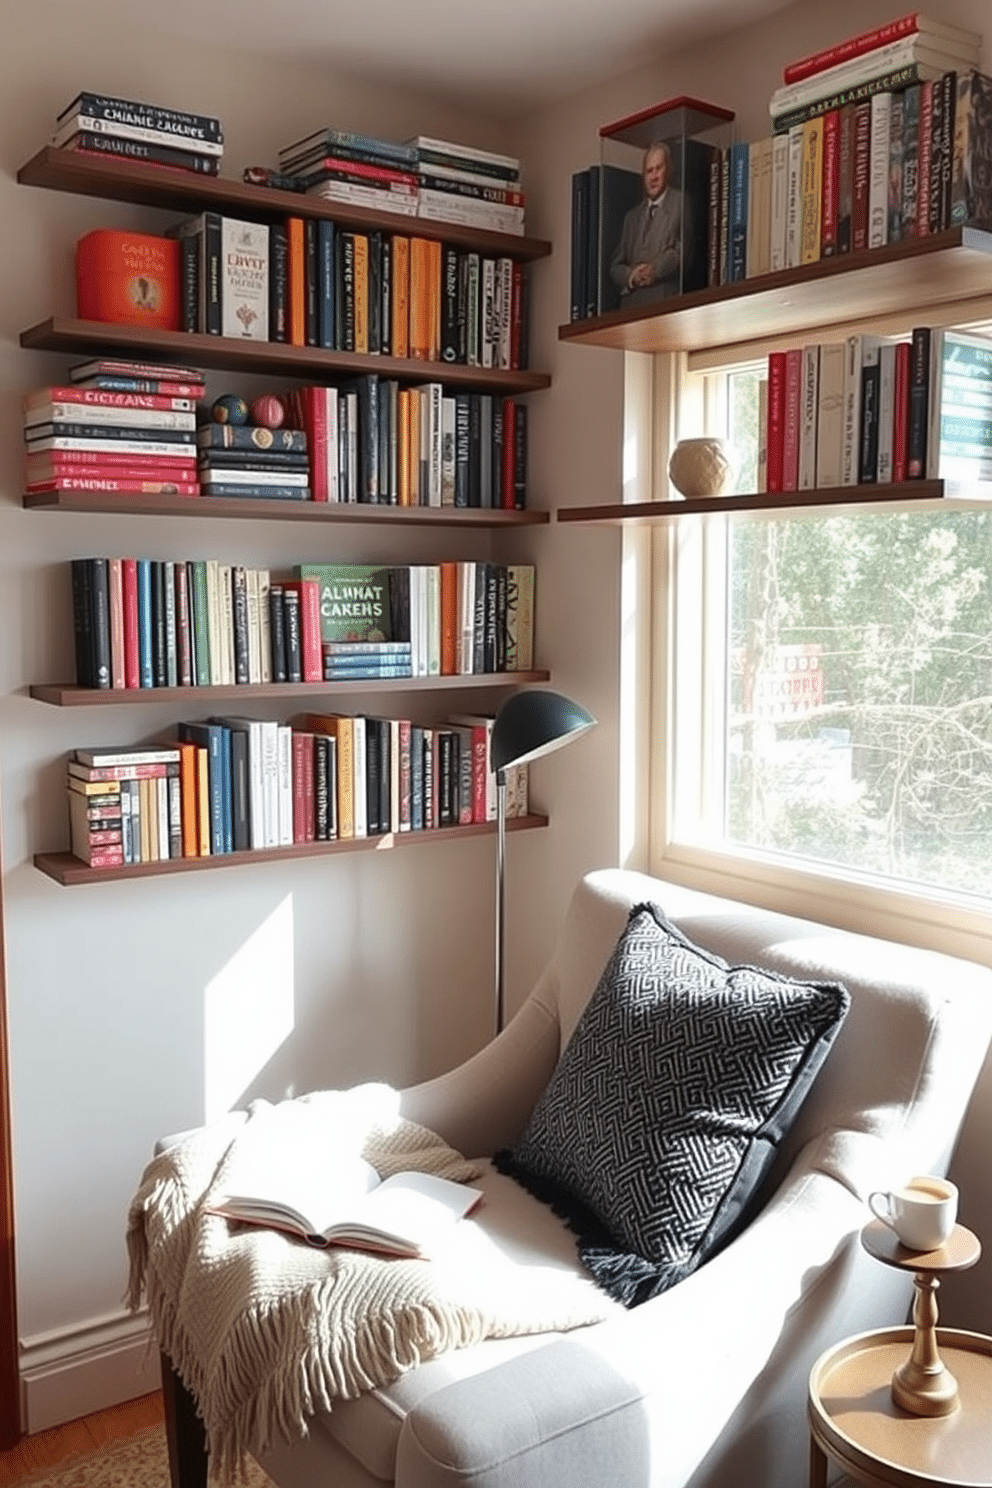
[855, 1423]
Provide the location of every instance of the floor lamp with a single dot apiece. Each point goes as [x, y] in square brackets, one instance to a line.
[530, 724]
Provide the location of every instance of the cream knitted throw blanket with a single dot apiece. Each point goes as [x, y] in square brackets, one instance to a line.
[265, 1330]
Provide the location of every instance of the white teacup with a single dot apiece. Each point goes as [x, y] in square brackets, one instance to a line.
[922, 1212]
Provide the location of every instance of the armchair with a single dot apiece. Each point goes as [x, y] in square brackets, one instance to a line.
[703, 1385]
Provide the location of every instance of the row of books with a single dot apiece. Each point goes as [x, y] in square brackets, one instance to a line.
[892, 165]
[372, 440]
[430, 178]
[235, 784]
[310, 282]
[81, 437]
[98, 124]
[872, 410]
[141, 623]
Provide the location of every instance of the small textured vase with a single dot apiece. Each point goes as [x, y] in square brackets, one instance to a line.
[702, 467]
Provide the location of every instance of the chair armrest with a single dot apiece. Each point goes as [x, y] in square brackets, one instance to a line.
[483, 1104]
[612, 1395]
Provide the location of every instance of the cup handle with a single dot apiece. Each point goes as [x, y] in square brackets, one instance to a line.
[878, 1203]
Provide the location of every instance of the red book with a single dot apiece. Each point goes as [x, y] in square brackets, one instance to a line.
[506, 487]
[776, 421]
[132, 485]
[311, 413]
[129, 278]
[359, 170]
[300, 824]
[59, 464]
[860, 171]
[793, 402]
[830, 184]
[96, 397]
[310, 635]
[129, 590]
[857, 46]
[518, 296]
[900, 419]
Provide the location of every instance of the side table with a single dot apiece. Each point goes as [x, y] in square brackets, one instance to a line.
[855, 1423]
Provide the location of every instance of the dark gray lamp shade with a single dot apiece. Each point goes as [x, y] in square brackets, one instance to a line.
[533, 723]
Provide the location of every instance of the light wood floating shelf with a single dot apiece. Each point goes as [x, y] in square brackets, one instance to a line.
[910, 276]
[185, 191]
[70, 871]
[68, 695]
[255, 508]
[795, 502]
[94, 337]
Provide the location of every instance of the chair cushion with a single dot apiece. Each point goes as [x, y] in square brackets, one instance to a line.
[667, 1106]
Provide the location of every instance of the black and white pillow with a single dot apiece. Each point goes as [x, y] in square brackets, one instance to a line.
[668, 1104]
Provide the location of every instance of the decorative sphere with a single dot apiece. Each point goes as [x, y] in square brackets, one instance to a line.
[268, 411]
[702, 467]
[230, 408]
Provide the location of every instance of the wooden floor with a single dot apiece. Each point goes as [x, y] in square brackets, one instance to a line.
[76, 1438]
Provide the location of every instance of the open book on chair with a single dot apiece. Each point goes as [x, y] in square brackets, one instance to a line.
[405, 1215]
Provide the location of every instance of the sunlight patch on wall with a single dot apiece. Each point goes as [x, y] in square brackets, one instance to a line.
[248, 1012]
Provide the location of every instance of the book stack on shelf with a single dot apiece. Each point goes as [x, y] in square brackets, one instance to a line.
[882, 138]
[97, 124]
[232, 784]
[146, 623]
[116, 427]
[458, 183]
[254, 459]
[358, 169]
[872, 410]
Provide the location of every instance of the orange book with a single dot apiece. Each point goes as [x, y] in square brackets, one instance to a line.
[296, 281]
[434, 300]
[342, 728]
[403, 447]
[129, 278]
[420, 299]
[449, 619]
[415, 444]
[187, 788]
[361, 293]
[401, 296]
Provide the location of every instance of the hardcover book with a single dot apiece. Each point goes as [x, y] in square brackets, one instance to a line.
[244, 290]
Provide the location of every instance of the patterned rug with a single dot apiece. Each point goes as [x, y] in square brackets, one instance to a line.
[139, 1462]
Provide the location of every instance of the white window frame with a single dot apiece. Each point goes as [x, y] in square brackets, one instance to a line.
[686, 721]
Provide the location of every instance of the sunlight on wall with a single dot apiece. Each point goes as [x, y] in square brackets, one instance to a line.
[248, 1012]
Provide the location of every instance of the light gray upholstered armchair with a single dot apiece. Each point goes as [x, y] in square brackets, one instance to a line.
[705, 1384]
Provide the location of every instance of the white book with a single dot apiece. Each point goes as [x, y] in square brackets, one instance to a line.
[396, 198]
[285, 797]
[394, 774]
[226, 571]
[359, 779]
[214, 621]
[443, 206]
[487, 349]
[58, 412]
[244, 279]
[447, 451]
[904, 52]
[466, 618]
[830, 415]
[886, 410]
[254, 627]
[878, 170]
[423, 621]
[780, 201]
[433, 597]
[808, 408]
[794, 197]
[161, 787]
[270, 781]
[264, 579]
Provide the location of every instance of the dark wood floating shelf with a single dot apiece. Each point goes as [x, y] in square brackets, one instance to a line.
[258, 508]
[269, 357]
[68, 695]
[917, 491]
[70, 871]
[916, 272]
[184, 191]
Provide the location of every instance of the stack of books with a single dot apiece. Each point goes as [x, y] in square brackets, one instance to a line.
[125, 805]
[126, 427]
[354, 168]
[242, 460]
[97, 124]
[477, 188]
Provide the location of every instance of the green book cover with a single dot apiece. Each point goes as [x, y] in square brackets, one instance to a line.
[354, 600]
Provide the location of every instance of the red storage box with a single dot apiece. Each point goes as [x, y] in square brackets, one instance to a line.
[129, 278]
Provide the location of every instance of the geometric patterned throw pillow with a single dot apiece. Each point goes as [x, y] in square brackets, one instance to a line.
[668, 1104]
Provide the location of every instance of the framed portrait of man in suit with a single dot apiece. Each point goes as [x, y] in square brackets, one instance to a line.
[654, 190]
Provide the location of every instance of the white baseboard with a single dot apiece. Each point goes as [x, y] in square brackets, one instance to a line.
[75, 1371]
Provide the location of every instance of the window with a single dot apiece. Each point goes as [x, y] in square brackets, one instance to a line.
[831, 684]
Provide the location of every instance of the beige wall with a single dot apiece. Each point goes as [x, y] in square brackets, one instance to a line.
[140, 1008]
